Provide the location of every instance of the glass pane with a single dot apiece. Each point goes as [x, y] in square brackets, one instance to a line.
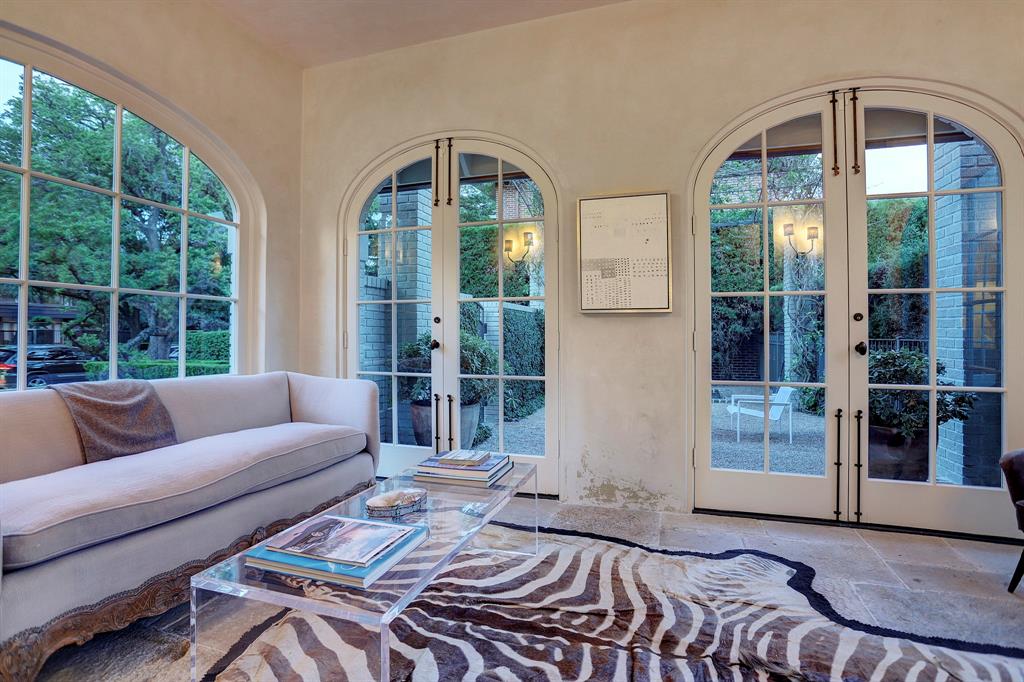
[70, 234]
[376, 213]
[737, 338]
[898, 435]
[969, 343]
[478, 188]
[898, 339]
[208, 337]
[12, 89]
[521, 198]
[896, 151]
[150, 247]
[10, 222]
[524, 338]
[69, 336]
[737, 427]
[738, 179]
[375, 337]
[523, 249]
[8, 336]
[383, 404]
[737, 252]
[796, 436]
[962, 159]
[375, 266]
[898, 243]
[797, 248]
[151, 161]
[147, 337]
[478, 414]
[796, 345]
[414, 324]
[969, 240]
[794, 159]
[413, 267]
[415, 411]
[478, 261]
[415, 194]
[524, 418]
[72, 132]
[206, 193]
[970, 427]
[211, 248]
[478, 337]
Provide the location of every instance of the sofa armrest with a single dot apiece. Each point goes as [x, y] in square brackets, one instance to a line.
[344, 402]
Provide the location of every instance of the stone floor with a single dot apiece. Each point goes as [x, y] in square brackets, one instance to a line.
[912, 583]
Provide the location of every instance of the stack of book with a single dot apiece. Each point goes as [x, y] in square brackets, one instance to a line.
[348, 551]
[464, 467]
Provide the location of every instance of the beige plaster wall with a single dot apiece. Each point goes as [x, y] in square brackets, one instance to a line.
[242, 93]
[614, 99]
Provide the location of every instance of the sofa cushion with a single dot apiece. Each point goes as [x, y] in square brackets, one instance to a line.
[38, 435]
[50, 515]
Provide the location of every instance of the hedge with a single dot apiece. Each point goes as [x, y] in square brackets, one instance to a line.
[524, 356]
[153, 369]
[208, 346]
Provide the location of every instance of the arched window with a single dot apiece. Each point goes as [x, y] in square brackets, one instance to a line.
[117, 243]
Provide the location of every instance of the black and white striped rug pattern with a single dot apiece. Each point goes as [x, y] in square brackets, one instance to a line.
[589, 607]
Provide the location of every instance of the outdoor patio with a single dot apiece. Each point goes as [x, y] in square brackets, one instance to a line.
[806, 455]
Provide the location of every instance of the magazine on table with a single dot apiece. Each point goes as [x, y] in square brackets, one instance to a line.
[338, 539]
[481, 482]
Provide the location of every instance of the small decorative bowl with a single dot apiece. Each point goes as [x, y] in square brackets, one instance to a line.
[396, 503]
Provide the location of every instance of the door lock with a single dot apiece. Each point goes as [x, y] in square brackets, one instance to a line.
[861, 348]
[434, 344]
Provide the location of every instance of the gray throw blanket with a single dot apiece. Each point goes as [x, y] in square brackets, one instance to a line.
[116, 418]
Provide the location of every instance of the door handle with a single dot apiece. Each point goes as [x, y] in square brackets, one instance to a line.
[434, 344]
[861, 348]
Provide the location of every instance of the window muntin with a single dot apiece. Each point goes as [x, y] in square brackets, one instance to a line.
[124, 266]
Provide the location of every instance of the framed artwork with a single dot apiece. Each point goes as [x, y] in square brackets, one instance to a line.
[624, 245]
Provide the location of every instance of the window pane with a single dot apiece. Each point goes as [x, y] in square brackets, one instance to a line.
[376, 213]
[147, 337]
[208, 337]
[969, 240]
[796, 345]
[150, 247]
[962, 159]
[737, 427]
[478, 414]
[375, 337]
[415, 411]
[415, 194]
[738, 179]
[70, 234]
[797, 248]
[524, 338]
[737, 250]
[478, 261]
[383, 403]
[521, 198]
[898, 243]
[375, 273]
[970, 442]
[478, 188]
[478, 338]
[73, 328]
[524, 418]
[896, 151]
[10, 223]
[206, 193]
[794, 159]
[737, 338]
[898, 435]
[72, 132]
[151, 161]
[969, 347]
[12, 89]
[8, 336]
[898, 339]
[414, 351]
[211, 248]
[413, 266]
[523, 249]
[796, 437]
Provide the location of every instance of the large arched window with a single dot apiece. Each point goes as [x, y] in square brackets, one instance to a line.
[117, 243]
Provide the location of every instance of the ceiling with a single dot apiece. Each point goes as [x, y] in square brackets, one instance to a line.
[315, 32]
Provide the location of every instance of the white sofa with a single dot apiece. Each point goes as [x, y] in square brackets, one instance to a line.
[88, 548]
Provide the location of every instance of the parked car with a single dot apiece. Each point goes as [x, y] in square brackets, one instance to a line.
[45, 364]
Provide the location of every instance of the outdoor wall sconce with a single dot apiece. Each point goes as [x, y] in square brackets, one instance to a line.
[812, 235]
[527, 243]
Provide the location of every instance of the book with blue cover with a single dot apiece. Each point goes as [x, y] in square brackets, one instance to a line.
[438, 466]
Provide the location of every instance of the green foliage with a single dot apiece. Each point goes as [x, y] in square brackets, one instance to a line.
[478, 257]
[153, 369]
[477, 357]
[524, 356]
[208, 346]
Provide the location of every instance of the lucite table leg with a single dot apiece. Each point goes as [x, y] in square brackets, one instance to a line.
[192, 634]
[536, 515]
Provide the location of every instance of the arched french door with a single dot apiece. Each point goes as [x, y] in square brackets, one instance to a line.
[851, 310]
[451, 303]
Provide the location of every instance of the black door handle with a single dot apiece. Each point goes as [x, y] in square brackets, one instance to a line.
[434, 344]
[861, 348]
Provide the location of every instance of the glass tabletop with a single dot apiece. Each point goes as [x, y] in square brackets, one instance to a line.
[453, 514]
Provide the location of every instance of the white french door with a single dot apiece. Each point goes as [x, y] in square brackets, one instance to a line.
[451, 304]
[851, 310]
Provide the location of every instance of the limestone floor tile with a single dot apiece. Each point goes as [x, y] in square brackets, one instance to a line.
[710, 523]
[836, 561]
[812, 532]
[963, 617]
[988, 556]
[842, 595]
[956, 581]
[914, 549]
[630, 524]
[520, 510]
[699, 541]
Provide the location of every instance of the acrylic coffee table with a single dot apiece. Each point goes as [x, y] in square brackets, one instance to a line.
[454, 514]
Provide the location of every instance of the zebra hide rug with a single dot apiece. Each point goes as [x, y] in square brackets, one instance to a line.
[594, 608]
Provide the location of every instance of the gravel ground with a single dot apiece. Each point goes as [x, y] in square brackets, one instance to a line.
[805, 456]
[523, 437]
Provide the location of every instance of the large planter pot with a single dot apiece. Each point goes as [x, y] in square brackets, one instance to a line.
[423, 418]
[894, 457]
[469, 421]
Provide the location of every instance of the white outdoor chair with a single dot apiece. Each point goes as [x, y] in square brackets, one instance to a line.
[777, 403]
